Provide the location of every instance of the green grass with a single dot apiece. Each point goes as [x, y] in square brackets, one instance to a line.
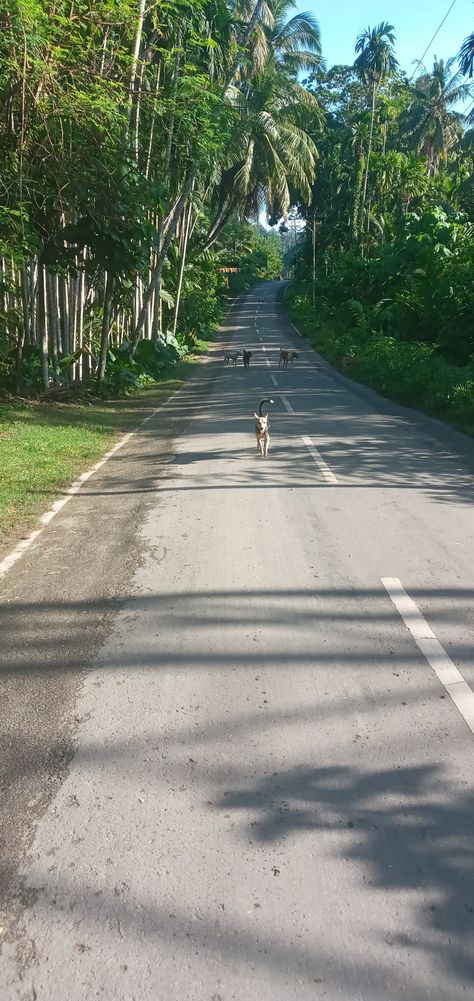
[44, 447]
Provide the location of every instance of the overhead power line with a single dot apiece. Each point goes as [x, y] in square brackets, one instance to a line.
[428, 47]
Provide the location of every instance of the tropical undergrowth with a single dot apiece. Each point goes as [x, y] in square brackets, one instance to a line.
[401, 320]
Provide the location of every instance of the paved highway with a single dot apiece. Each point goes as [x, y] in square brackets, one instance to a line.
[238, 703]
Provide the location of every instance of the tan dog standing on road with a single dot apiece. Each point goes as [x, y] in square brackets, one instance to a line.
[262, 430]
[287, 356]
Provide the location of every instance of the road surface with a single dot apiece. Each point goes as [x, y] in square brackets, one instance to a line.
[238, 703]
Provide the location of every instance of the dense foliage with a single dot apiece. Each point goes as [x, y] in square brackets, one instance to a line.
[137, 141]
[391, 294]
[131, 133]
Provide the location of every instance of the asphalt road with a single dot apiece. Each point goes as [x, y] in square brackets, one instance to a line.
[238, 703]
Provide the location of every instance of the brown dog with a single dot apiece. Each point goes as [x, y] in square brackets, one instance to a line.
[262, 430]
[284, 356]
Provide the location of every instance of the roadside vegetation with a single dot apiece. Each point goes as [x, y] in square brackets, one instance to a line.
[140, 143]
[137, 139]
[45, 447]
[384, 277]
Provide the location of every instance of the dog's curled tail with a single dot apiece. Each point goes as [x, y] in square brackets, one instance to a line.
[261, 405]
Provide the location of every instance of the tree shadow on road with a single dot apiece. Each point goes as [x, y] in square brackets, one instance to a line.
[404, 830]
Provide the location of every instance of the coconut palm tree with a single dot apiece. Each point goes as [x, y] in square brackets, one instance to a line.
[293, 44]
[466, 56]
[270, 151]
[430, 123]
[375, 61]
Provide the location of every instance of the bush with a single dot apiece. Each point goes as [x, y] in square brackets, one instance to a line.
[415, 373]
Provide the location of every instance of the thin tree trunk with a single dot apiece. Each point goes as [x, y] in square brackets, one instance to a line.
[42, 327]
[137, 114]
[63, 311]
[153, 120]
[218, 226]
[23, 333]
[80, 326]
[33, 278]
[135, 54]
[52, 319]
[173, 217]
[106, 323]
[182, 264]
[161, 256]
[369, 149]
[72, 324]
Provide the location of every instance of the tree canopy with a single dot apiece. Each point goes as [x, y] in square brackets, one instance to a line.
[140, 141]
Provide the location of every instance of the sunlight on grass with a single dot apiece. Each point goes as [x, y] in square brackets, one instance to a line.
[45, 447]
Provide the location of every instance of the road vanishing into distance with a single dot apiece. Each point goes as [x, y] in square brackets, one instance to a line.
[237, 702]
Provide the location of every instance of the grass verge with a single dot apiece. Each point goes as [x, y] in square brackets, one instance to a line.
[45, 447]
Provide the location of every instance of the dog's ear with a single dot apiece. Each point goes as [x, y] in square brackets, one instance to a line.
[256, 416]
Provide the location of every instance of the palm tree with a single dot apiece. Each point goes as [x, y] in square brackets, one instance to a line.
[375, 61]
[466, 56]
[430, 123]
[293, 45]
[270, 152]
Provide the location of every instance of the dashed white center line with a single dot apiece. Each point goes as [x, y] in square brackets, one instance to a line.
[442, 665]
[272, 377]
[321, 464]
[287, 405]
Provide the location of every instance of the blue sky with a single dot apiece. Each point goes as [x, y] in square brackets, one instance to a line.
[415, 22]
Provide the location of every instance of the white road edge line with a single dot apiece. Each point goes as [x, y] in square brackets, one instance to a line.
[425, 639]
[322, 465]
[286, 404]
[16, 554]
[272, 377]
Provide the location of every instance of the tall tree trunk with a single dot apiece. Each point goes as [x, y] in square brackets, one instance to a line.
[135, 54]
[218, 225]
[243, 45]
[161, 255]
[169, 228]
[153, 121]
[80, 325]
[52, 319]
[106, 323]
[369, 150]
[136, 141]
[23, 334]
[42, 326]
[63, 311]
[182, 264]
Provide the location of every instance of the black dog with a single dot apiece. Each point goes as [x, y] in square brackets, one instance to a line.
[247, 356]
